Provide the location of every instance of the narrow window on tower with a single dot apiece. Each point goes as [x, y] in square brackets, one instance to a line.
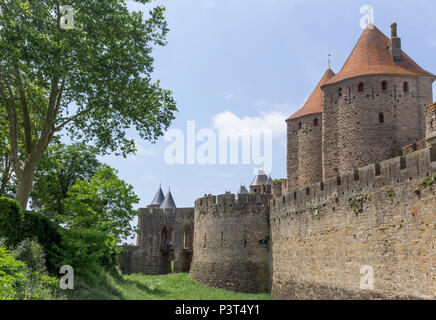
[299, 125]
[406, 87]
[361, 87]
[340, 92]
[381, 118]
[315, 122]
[384, 86]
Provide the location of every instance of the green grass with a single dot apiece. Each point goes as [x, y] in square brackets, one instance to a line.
[176, 286]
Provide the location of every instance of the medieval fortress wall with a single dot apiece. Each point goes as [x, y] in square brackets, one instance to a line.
[361, 173]
[151, 254]
[353, 133]
[374, 205]
[381, 215]
[231, 248]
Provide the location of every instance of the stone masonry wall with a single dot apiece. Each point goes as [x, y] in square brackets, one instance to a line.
[431, 121]
[304, 151]
[151, 255]
[381, 216]
[353, 136]
[228, 253]
[292, 154]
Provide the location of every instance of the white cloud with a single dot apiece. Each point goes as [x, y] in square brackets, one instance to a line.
[274, 121]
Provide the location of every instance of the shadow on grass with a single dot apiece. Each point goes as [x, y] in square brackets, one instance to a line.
[121, 281]
[112, 286]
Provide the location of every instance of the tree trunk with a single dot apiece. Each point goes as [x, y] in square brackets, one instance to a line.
[25, 182]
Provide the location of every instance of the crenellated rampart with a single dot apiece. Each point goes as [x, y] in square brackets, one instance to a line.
[414, 166]
[380, 218]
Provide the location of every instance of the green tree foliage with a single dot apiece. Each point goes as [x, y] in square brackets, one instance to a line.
[16, 226]
[12, 275]
[94, 80]
[5, 163]
[60, 168]
[32, 254]
[105, 203]
[18, 282]
[11, 221]
[48, 234]
[6, 183]
[89, 252]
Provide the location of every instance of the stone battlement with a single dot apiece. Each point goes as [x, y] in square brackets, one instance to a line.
[230, 201]
[419, 145]
[431, 107]
[169, 213]
[431, 123]
[417, 165]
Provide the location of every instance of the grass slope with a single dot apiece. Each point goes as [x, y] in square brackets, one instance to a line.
[164, 287]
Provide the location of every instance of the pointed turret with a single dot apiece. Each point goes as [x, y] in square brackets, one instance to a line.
[260, 178]
[168, 202]
[314, 103]
[243, 190]
[158, 198]
[270, 181]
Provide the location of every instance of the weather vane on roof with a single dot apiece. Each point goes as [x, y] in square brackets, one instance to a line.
[330, 61]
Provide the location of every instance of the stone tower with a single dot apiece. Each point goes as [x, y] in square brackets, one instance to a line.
[231, 242]
[374, 105]
[431, 124]
[261, 183]
[304, 148]
[165, 238]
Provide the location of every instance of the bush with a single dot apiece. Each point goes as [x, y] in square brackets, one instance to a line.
[16, 226]
[12, 275]
[40, 228]
[45, 246]
[18, 282]
[88, 252]
[32, 254]
[11, 221]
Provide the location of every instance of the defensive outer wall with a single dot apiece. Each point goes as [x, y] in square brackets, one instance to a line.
[382, 216]
[231, 247]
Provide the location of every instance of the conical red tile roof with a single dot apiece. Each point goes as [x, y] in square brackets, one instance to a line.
[371, 55]
[314, 103]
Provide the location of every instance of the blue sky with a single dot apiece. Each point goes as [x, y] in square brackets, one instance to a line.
[255, 62]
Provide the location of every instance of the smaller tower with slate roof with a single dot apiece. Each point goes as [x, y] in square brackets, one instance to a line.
[158, 199]
[165, 236]
[168, 202]
[261, 183]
